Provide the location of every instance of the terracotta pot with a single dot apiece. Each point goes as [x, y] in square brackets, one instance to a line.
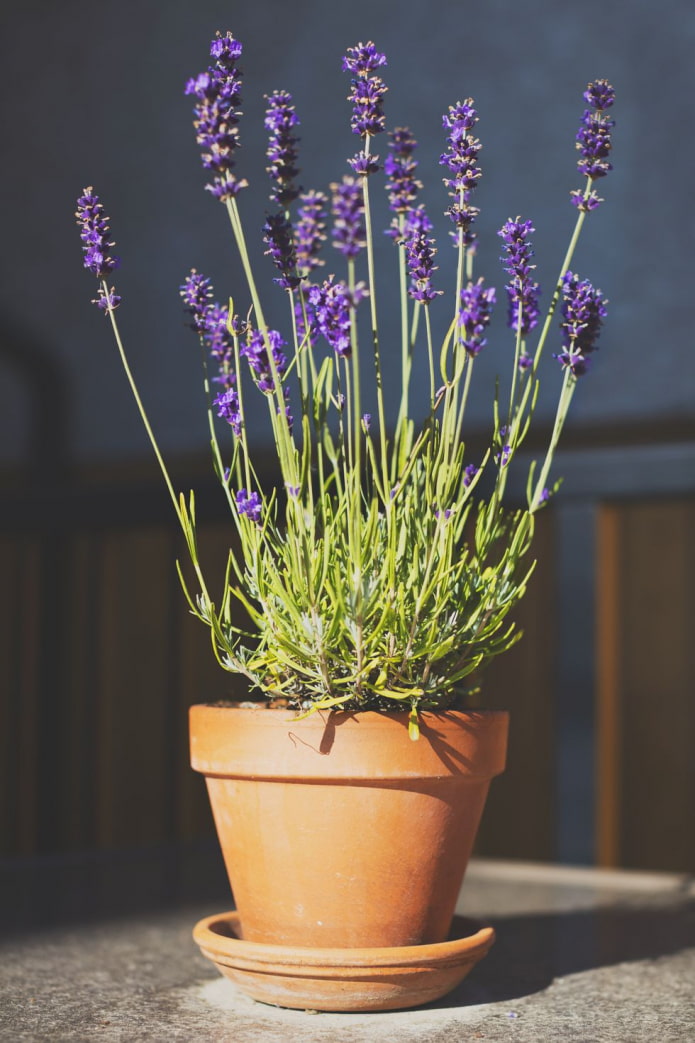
[339, 831]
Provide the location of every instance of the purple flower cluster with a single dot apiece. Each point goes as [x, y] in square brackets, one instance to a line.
[347, 207]
[469, 474]
[218, 339]
[210, 321]
[107, 300]
[420, 253]
[330, 306]
[280, 242]
[522, 291]
[474, 316]
[309, 231]
[249, 504]
[256, 351]
[94, 233]
[366, 91]
[462, 161]
[594, 141]
[583, 311]
[217, 115]
[400, 166]
[363, 59]
[227, 406]
[196, 293]
[363, 164]
[280, 118]
[416, 223]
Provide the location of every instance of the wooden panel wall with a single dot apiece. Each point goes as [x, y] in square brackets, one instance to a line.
[519, 819]
[93, 740]
[646, 685]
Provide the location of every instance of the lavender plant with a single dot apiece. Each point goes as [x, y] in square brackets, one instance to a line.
[375, 574]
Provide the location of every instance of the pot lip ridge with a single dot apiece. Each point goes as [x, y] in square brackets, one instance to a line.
[242, 742]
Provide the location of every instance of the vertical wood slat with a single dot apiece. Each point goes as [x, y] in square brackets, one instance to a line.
[28, 734]
[134, 669]
[647, 680]
[9, 684]
[520, 812]
[201, 680]
[608, 707]
[20, 573]
[80, 753]
[658, 672]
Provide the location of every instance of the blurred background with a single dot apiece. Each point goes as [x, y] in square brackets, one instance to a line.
[100, 658]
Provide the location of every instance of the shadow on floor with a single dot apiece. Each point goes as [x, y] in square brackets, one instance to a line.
[533, 950]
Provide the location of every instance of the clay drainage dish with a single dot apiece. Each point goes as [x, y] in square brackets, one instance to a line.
[342, 979]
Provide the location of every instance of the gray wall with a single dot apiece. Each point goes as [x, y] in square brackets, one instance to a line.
[93, 95]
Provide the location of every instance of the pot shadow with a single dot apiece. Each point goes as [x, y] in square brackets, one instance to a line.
[532, 950]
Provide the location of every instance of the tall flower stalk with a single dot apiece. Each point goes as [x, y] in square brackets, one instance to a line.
[373, 574]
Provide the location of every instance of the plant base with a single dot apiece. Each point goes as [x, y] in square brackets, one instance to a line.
[342, 979]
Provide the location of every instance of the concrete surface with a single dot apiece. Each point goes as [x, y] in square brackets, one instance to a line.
[582, 955]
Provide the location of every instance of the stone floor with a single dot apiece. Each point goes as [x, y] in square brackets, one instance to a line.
[581, 955]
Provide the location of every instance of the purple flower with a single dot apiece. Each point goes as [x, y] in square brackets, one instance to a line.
[279, 240]
[416, 223]
[366, 422]
[446, 514]
[217, 116]
[583, 311]
[366, 92]
[196, 293]
[522, 291]
[108, 301]
[94, 233]
[474, 315]
[256, 351]
[586, 201]
[594, 139]
[399, 167]
[280, 118]
[420, 253]
[462, 161]
[599, 94]
[217, 336]
[525, 362]
[503, 457]
[225, 49]
[363, 59]
[460, 118]
[363, 165]
[309, 231]
[249, 504]
[331, 304]
[210, 320]
[347, 207]
[366, 95]
[227, 405]
[469, 474]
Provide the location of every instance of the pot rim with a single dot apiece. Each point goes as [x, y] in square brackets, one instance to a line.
[229, 741]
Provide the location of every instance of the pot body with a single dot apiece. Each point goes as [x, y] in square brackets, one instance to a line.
[339, 831]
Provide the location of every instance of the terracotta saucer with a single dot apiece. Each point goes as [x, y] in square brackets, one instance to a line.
[342, 979]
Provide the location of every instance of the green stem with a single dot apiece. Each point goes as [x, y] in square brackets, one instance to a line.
[375, 325]
[568, 385]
